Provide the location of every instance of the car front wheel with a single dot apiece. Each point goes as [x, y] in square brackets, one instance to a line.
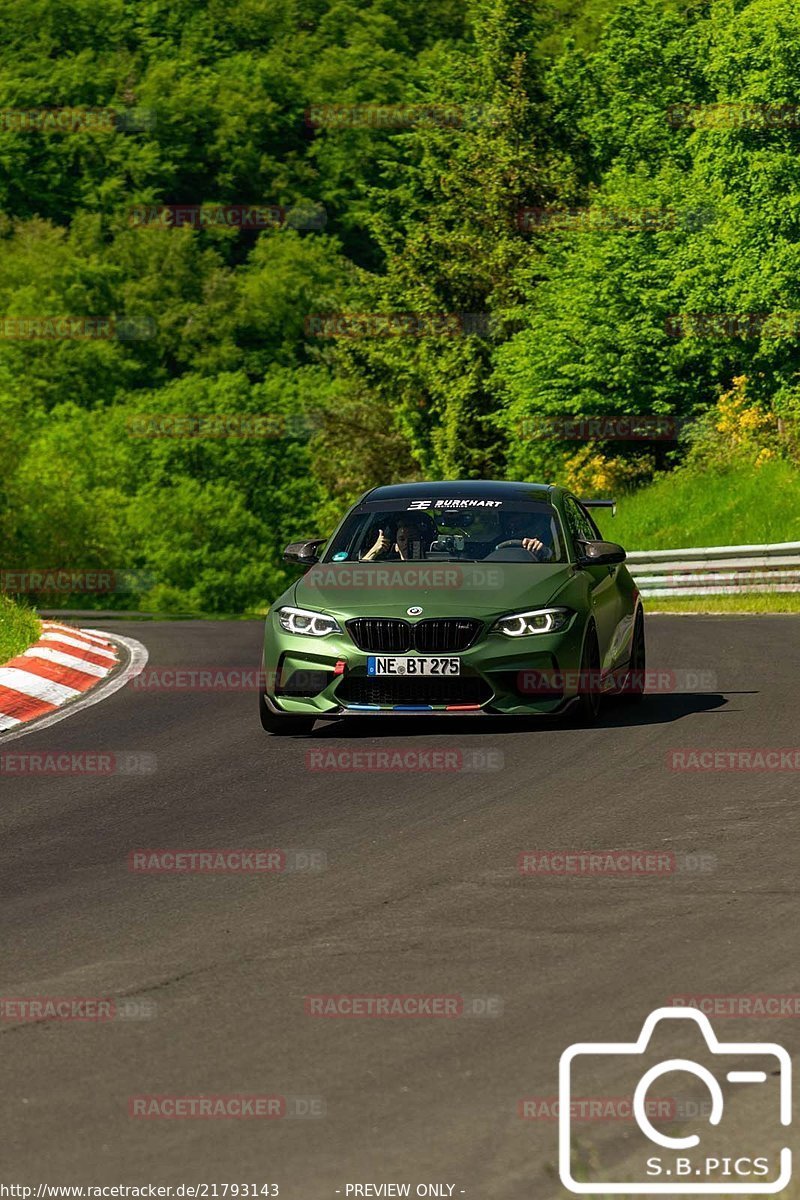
[587, 708]
[634, 682]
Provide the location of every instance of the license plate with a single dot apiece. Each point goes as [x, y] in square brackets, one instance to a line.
[413, 666]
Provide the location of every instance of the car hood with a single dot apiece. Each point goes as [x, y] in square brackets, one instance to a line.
[439, 589]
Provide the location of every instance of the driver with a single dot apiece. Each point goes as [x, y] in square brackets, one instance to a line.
[518, 528]
[413, 537]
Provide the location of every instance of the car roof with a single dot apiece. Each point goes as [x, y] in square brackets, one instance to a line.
[464, 488]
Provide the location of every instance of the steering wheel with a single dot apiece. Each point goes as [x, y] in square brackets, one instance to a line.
[517, 544]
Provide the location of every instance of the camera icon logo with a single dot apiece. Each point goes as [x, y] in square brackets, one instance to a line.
[685, 1164]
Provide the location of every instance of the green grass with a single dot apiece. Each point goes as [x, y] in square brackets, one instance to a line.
[741, 506]
[19, 627]
[768, 602]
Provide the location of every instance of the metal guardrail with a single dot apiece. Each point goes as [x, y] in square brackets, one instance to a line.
[717, 570]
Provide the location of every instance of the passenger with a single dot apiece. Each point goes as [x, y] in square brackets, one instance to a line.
[412, 540]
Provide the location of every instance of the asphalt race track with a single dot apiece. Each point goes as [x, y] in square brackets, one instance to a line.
[421, 894]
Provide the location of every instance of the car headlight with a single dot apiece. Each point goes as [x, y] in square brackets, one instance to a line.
[538, 620]
[302, 620]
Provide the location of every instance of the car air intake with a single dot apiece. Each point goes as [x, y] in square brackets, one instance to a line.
[437, 635]
[304, 683]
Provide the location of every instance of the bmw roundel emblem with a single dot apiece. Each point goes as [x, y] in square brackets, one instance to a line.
[414, 611]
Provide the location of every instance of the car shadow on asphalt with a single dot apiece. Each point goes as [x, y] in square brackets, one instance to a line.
[654, 710]
[657, 709]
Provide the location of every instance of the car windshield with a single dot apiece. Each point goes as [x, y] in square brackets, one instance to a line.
[457, 530]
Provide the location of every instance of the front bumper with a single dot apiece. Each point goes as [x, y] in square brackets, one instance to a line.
[319, 677]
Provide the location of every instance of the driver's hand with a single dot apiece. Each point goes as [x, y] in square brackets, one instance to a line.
[380, 546]
[533, 544]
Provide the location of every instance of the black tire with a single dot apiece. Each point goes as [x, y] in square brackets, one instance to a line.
[587, 707]
[281, 726]
[633, 690]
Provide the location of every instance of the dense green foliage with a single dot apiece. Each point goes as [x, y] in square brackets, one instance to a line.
[560, 103]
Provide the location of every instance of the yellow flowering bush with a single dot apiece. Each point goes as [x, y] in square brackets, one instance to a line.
[590, 472]
[736, 428]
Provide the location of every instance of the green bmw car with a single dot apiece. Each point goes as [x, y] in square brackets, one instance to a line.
[465, 598]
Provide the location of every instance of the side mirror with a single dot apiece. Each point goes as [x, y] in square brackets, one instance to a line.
[305, 554]
[599, 554]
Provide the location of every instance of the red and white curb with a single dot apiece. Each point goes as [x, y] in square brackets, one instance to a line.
[66, 667]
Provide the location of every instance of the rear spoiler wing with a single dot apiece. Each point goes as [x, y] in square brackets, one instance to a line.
[612, 504]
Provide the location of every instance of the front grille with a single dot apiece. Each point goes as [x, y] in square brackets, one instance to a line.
[437, 635]
[422, 689]
[380, 635]
[445, 635]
